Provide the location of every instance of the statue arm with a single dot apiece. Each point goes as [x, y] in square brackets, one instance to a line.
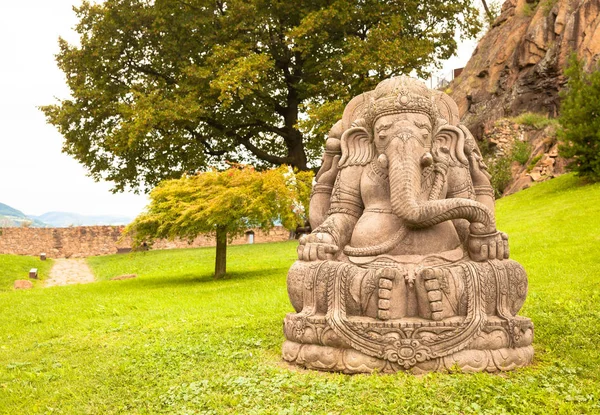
[484, 192]
[345, 209]
[492, 246]
[320, 199]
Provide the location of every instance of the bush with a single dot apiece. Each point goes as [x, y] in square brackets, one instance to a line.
[534, 120]
[533, 162]
[528, 9]
[580, 121]
[520, 152]
[500, 167]
[548, 5]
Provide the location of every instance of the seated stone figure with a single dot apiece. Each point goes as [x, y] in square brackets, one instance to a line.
[404, 268]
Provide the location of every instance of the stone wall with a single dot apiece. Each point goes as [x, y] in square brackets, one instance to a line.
[84, 241]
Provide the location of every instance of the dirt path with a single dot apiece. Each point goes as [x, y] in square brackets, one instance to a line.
[69, 271]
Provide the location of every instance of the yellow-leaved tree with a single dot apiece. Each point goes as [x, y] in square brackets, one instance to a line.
[224, 204]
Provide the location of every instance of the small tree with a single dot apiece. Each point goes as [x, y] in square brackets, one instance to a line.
[225, 204]
[580, 120]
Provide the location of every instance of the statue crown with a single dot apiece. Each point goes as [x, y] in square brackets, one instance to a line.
[401, 95]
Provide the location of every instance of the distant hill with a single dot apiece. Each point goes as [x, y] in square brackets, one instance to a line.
[6, 210]
[10, 217]
[65, 219]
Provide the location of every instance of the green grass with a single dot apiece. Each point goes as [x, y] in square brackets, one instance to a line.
[14, 267]
[521, 151]
[533, 162]
[535, 120]
[175, 341]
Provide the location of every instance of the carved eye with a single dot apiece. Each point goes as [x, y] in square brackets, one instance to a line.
[383, 127]
[423, 125]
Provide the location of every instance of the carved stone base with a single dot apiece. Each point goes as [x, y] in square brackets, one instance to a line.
[333, 359]
[499, 346]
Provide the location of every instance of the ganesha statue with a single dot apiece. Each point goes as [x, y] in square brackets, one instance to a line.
[404, 268]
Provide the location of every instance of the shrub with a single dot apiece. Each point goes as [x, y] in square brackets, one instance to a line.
[534, 120]
[499, 168]
[533, 162]
[521, 151]
[580, 121]
[548, 5]
[528, 9]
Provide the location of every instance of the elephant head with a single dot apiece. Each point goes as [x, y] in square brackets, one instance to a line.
[409, 135]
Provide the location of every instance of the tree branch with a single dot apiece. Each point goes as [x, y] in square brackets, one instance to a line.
[188, 5]
[245, 139]
[207, 146]
[258, 124]
[150, 71]
[261, 154]
[487, 11]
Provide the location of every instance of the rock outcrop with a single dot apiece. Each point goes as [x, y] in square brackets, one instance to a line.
[541, 146]
[518, 65]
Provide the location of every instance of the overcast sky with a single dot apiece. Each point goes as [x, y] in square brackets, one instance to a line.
[35, 176]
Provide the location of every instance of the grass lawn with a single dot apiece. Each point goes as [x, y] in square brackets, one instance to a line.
[175, 341]
[13, 267]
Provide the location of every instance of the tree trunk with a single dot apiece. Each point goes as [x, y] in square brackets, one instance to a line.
[487, 11]
[297, 152]
[294, 141]
[221, 256]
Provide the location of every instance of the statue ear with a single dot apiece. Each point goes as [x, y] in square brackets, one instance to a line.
[357, 147]
[474, 154]
[470, 143]
[453, 138]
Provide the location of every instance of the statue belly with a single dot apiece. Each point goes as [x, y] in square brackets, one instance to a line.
[374, 227]
[438, 238]
[379, 224]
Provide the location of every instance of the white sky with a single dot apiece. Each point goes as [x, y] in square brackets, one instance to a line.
[35, 176]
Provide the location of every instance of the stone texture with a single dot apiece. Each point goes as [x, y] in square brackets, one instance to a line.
[544, 162]
[518, 65]
[404, 268]
[84, 241]
[23, 285]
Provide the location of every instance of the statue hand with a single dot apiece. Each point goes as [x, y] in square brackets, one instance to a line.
[490, 246]
[316, 246]
[479, 173]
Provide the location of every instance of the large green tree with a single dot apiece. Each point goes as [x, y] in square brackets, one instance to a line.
[580, 119]
[224, 204]
[164, 87]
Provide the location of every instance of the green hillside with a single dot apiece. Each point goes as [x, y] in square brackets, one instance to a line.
[10, 216]
[6, 210]
[175, 341]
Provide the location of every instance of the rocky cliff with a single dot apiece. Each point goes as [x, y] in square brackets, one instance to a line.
[518, 65]
[524, 150]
